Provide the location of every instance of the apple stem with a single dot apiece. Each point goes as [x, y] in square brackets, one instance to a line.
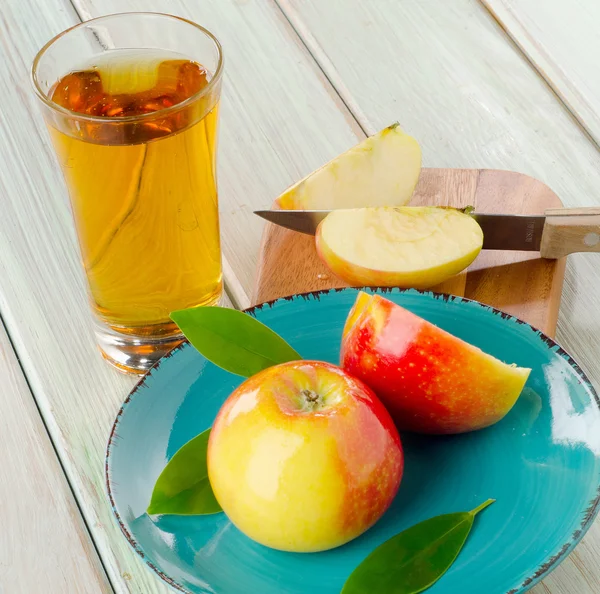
[312, 400]
[310, 395]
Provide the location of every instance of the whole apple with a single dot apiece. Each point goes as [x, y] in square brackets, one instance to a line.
[303, 457]
[429, 380]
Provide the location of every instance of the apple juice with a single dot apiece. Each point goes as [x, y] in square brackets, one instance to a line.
[142, 180]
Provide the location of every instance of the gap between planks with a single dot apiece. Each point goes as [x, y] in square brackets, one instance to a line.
[322, 61]
[108, 583]
[55, 490]
[535, 62]
[326, 65]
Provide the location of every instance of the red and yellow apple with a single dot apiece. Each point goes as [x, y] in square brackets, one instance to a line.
[429, 380]
[407, 246]
[303, 457]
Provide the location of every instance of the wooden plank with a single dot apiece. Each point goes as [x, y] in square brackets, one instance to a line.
[43, 533]
[275, 109]
[520, 283]
[561, 39]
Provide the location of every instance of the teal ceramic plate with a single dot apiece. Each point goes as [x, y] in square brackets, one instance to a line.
[541, 463]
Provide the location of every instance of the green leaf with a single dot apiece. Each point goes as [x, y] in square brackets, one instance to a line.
[415, 559]
[233, 340]
[182, 487]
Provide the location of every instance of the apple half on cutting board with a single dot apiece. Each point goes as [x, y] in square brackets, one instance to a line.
[409, 246]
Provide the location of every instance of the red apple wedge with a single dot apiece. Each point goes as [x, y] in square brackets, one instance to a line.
[429, 380]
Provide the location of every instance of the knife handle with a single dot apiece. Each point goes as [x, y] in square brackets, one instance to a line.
[570, 230]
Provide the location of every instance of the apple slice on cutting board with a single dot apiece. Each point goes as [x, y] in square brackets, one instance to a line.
[418, 246]
[381, 170]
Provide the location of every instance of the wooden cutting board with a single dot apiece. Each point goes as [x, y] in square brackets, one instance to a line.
[520, 283]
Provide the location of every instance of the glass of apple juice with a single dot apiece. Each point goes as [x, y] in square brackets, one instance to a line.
[131, 102]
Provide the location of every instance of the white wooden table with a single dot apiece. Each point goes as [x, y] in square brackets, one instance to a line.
[508, 84]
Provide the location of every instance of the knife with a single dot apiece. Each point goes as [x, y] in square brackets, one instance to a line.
[556, 233]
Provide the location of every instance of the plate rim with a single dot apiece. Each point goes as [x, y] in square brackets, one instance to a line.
[539, 573]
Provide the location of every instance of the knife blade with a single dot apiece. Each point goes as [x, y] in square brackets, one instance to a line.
[500, 231]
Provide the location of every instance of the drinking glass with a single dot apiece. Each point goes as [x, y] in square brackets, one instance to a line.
[131, 103]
